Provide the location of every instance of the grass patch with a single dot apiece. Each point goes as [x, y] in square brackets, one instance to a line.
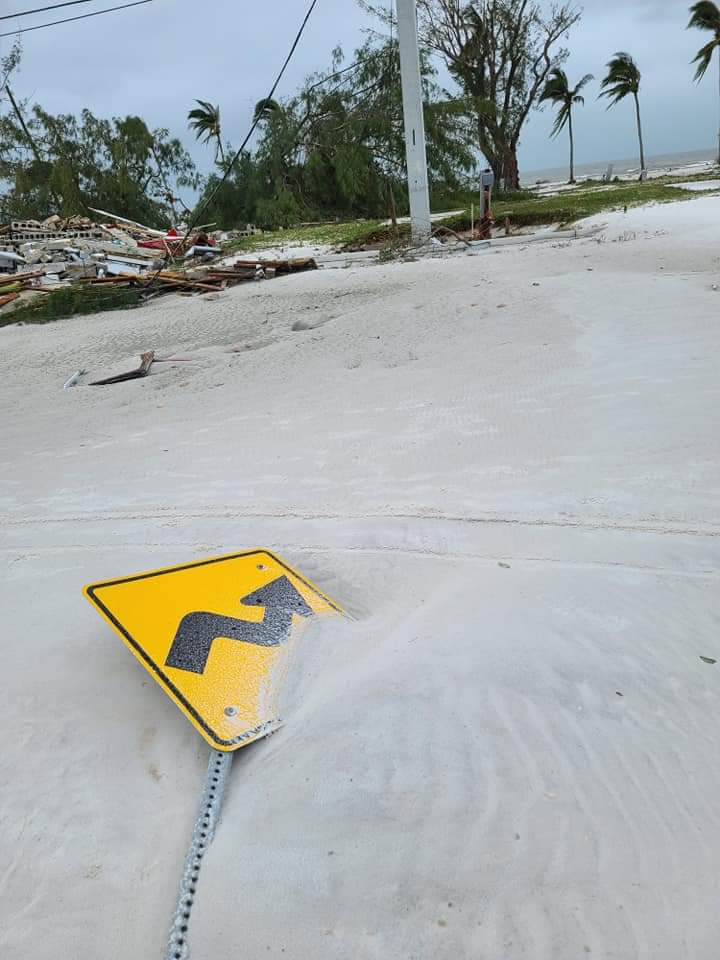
[333, 234]
[77, 300]
[529, 209]
[582, 202]
[524, 208]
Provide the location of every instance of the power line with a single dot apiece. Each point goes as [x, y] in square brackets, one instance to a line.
[26, 13]
[338, 73]
[83, 16]
[256, 120]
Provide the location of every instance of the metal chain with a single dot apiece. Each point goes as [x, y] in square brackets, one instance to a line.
[217, 775]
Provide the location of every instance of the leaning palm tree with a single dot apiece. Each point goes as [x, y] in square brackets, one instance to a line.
[622, 80]
[205, 121]
[557, 90]
[705, 15]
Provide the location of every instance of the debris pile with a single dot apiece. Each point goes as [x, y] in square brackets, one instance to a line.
[40, 257]
[208, 279]
[63, 244]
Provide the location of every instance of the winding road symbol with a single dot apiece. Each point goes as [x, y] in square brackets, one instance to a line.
[198, 631]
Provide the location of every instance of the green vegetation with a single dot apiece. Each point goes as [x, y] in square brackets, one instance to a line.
[334, 234]
[204, 120]
[705, 15]
[582, 202]
[77, 300]
[337, 148]
[623, 80]
[499, 53]
[557, 90]
[523, 208]
[64, 164]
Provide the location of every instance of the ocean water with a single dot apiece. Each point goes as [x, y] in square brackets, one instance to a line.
[624, 167]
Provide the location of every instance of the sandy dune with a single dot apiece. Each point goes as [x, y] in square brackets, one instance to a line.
[506, 467]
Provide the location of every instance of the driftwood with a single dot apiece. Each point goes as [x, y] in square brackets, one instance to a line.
[146, 361]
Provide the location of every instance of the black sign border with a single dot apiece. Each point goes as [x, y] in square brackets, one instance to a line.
[165, 681]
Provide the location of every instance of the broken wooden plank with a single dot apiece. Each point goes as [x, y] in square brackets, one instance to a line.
[280, 266]
[132, 223]
[221, 274]
[20, 277]
[172, 278]
[146, 361]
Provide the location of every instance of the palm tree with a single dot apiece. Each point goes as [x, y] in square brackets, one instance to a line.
[557, 90]
[265, 108]
[705, 15]
[205, 121]
[623, 78]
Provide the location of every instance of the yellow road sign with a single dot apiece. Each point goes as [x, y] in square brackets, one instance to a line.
[215, 635]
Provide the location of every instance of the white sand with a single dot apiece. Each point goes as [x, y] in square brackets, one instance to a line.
[698, 186]
[458, 776]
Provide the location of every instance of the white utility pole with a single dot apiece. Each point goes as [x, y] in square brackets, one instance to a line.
[420, 223]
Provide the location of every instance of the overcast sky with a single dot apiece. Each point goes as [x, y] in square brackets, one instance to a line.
[154, 60]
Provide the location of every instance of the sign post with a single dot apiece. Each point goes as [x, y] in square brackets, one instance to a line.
[215, 635]
[487, 180]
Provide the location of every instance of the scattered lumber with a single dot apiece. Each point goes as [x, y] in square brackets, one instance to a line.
[131, 223]
[179, 279]
[19, 277]
[123, 253]
[208, 279]
[233, 275]
[279, 266]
